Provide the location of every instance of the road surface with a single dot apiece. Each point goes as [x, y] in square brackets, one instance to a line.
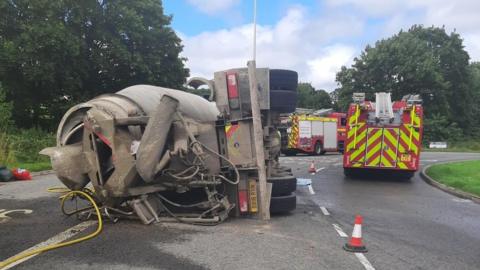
[407, 225]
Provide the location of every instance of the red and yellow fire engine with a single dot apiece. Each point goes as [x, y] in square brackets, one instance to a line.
[314, 134]
[384, 136]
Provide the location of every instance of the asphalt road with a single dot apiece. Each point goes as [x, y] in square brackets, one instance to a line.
[407, 225]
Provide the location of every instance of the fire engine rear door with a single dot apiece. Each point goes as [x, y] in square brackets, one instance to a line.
[389, 147]
[373, 150]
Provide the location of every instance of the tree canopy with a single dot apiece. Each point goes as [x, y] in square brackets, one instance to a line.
[425, 61]
[57, 53]
[310, 98]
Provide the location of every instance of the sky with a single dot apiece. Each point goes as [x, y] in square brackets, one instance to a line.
[313, 37]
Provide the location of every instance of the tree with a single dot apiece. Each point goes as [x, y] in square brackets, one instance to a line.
[5, 112]
[474, 73]
[58, 53]
[427, 61]
[310, 98]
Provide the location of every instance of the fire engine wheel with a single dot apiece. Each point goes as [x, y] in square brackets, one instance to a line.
[283, 101]
[319, 149]
[283, 204]
[281, 79]
[282, 185]
[348, 172]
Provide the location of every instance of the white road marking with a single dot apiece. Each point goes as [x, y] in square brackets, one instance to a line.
[364, 261]
[324, 211]
[319, 169]
[339, 230]
[3, 214]
[310, 188]
[428, 160]
[61, 237]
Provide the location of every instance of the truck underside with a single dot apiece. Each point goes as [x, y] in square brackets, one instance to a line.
[159, 154]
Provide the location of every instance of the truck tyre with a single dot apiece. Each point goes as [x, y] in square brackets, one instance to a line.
[348, 172]
[283, 204]
[318, 150]
[282, 185]
[281, 79]
[283, 101]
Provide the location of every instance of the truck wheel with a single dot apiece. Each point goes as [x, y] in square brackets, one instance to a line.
[283, 204]
[283, 101]
[282, 185]
[348, 172]
[281, 79]
[319, 149]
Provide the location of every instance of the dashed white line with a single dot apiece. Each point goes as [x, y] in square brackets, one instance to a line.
[324, 211]
[310, 188]
[339, 230]
[364, 261]
[319, 169]
[61, 237]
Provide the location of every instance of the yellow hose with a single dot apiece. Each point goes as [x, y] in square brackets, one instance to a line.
[59, 245]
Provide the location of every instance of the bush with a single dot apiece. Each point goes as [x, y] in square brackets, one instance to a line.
[26, 144]
[5, 112]
[439, 128]
[6, 150]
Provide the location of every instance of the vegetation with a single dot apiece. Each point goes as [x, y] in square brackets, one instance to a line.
[55, 54]
[464, 176]
[311, 98]
[427, 61]
[58, 53]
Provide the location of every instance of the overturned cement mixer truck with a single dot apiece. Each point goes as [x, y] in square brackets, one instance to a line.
[159, 154]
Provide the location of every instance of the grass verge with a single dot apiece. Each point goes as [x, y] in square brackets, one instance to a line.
[464, 175]
[32, 167]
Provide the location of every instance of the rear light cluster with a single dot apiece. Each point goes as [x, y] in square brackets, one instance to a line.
[232, 87]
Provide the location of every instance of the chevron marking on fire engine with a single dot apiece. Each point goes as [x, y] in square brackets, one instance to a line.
[390, 141]
[357, 151]
[354, 117]
[374, 145]
[405, 138]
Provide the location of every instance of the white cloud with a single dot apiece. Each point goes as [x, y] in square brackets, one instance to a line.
[317, 44]
[323, 69]
[212, 7]
[295, 42]
[462, 16]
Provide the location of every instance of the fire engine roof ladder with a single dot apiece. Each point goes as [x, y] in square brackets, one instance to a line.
[383, 106]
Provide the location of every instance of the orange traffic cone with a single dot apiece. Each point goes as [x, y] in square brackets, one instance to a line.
[355, 244]
[312, 169]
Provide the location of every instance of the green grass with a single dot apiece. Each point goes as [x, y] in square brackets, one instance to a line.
[32, 167]
[464, 175]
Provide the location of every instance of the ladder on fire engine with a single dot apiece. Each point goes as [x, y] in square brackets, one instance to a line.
[383, 106]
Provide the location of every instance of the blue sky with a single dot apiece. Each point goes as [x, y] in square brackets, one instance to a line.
[313, 37]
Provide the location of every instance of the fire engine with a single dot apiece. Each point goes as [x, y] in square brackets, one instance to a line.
[315, 133]
[383, 137]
